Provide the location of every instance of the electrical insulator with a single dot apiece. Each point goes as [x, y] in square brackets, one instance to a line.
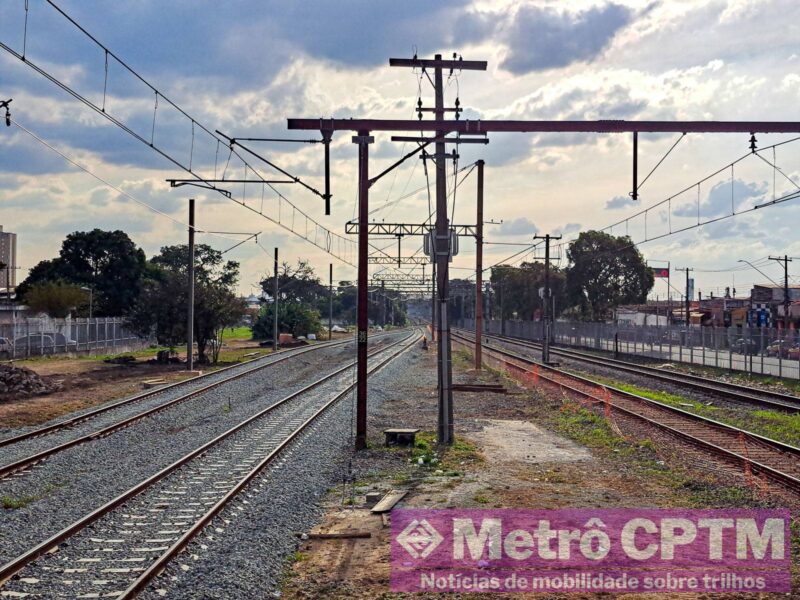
[753, 143]
[5, 104]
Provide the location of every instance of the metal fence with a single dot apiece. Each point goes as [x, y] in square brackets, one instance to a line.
[24, 338]
[759, 350]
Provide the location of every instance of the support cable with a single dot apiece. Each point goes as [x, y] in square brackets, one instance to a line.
[658, 164]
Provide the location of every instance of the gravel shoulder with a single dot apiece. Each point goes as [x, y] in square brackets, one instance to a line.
[523, 449]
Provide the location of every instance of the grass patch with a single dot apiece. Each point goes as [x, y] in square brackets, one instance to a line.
[481, 498]
[784, 427]
[593, 431]
[462, 360]
[237, 333]
[589, 429]
[10, 503]
[449, 459]
[297, 557]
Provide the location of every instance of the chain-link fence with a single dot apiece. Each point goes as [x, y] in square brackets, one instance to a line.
[760, 350]
[24, 338]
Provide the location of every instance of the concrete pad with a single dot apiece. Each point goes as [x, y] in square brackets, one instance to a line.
[521, 441]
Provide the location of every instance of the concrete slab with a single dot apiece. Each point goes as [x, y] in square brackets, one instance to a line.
[509, 441]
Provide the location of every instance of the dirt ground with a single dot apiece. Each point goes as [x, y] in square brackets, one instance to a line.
[523, 449]
[88, 381]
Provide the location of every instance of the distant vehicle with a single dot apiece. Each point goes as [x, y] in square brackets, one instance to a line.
[45, 343]
[676, 336]
[778, 348]
[6, 347]
[745, 346]
[793, 353]
[38, 343]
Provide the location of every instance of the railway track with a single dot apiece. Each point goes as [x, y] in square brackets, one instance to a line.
[196, 386]
[756, 454]
[119, 548]
[731, 391]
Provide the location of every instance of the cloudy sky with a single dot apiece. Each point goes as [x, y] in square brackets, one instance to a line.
[244, 66]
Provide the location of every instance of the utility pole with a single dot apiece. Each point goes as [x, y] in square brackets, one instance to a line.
[383, 303]
[546, 296]
[330, 301]
[190, 321]
[479, 271]
[785, 260]
[363, 139]
[687, 297]
[502, 311]
[275, 304]
[441, 247]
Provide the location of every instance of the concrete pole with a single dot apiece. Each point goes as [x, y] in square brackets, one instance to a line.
[479, 271]
[330, 301]
[190, 320]
[275, 304]
[383, 303]
[545, 303]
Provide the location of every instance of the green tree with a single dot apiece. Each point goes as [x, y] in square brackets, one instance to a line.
[107, 261]
[162, 307]
[294, 318]
[298, 285]
[57, 299]
[515, 290]
[605, 271]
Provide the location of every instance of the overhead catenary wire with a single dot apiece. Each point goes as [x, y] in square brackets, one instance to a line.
[695, 185]
[110, 185]
[159, 97]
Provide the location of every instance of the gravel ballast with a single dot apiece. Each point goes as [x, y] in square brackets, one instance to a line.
[247, 557]
[76, 481]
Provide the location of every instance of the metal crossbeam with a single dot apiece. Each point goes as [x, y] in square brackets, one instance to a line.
[426, 63]
[600, 126]
[401, 278]
[402, 260]
[403, 229]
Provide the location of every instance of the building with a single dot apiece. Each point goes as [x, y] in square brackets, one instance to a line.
[767, 303]
[724, 311]
[8, 256]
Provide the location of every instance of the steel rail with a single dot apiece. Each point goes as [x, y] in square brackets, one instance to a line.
[9, 469]
[730, 455]
[287, 353]
[741, 393]
[157, 566]
[15, 565]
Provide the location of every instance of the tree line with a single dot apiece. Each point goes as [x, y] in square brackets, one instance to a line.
[604, 272]
[104, 273]
[304, 303]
